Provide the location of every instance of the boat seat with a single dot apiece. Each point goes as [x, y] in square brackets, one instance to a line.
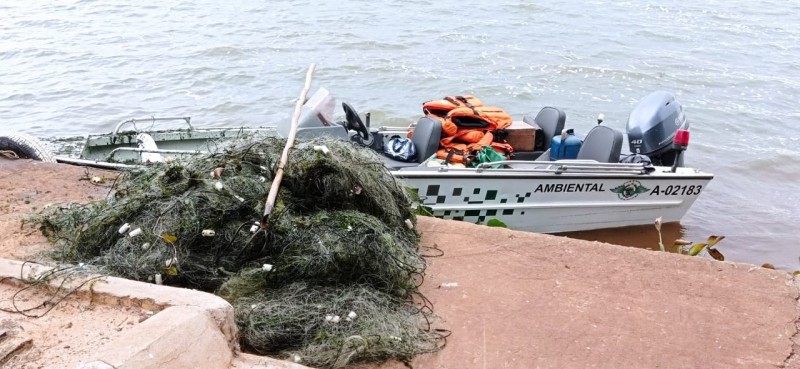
[602, 144]
[427, 134]
[146, 142]
[550, 120]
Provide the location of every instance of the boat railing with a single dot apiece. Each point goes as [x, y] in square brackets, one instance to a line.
[154, 151]
[566, 166]
[388, 129]
[152, 120]
[95, 163]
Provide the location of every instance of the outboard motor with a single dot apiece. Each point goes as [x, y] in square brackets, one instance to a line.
[652, 125]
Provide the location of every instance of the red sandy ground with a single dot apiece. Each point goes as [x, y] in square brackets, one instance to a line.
[528, 300]
[27, 186]
[75, 326]
[522, 300]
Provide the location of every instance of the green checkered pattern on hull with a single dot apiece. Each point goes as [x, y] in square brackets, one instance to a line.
[465, 195]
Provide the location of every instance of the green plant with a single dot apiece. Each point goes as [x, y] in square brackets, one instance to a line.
[709, 246]
[683, 246]
[686, 247]
[496, 223]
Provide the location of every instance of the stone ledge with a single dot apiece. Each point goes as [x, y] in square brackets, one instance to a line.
[177, 337]
[119, 291]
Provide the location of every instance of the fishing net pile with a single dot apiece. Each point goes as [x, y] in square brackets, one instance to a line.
[330, 281]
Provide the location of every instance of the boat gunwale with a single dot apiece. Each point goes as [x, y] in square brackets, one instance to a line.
[410, 173]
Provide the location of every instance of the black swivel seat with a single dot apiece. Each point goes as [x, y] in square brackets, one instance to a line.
[602, 144]
[551, 121]
[427, 134]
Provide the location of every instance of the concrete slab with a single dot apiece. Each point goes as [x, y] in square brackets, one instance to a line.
[526, 300]
[124, 292]
[190, 329]
[178, 337]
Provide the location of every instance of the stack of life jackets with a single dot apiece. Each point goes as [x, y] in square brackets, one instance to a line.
[468, 127]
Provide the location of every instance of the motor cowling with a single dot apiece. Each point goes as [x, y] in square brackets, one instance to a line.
[652, 125]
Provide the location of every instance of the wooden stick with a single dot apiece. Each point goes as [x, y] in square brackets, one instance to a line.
[276, 182]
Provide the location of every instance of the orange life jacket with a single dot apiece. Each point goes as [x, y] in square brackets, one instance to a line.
[456, 148]
[440, 108]
[467, 127]
[456, 153]
[466, 153]
[486, 118]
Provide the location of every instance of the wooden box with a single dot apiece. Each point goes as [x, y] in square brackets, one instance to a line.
[522, 136]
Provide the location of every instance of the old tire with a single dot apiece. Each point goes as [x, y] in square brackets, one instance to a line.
[25, 146]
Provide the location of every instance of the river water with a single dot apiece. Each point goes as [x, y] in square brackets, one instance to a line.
[77, 67]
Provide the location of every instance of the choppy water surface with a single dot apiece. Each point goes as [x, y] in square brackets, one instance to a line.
[74, 67]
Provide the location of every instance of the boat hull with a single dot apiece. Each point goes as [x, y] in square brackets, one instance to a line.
[551, 202]
[538, 196]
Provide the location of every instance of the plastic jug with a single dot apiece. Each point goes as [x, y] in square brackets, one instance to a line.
[566, 149]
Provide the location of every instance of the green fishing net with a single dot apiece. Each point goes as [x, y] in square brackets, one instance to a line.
[338, 239]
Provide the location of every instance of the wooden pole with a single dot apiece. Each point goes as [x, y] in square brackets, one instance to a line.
[276, 182]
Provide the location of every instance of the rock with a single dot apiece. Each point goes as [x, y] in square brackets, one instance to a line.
[185, 337]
